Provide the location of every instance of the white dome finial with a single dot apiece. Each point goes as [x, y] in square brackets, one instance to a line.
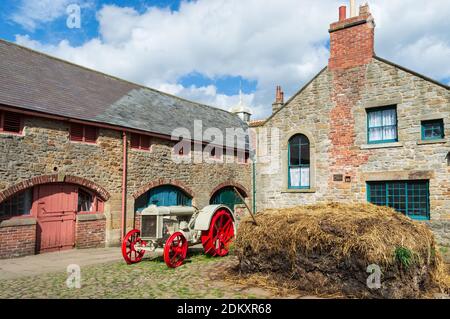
[241, 109]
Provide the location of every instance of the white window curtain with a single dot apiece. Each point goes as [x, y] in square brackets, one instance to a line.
[305, 177]
[375, 126]
[295, 174]
[390, 124]
[383, 125]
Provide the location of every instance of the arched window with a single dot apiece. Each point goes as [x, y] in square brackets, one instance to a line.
[18, 205]
[166, 195]
[299, 162]
[227, 196]
[85, 201]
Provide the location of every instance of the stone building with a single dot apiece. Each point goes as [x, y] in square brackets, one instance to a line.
[363, 129]
[80, 149]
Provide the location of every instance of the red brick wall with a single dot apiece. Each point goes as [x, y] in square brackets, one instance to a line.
[17, 241]
[352, 41]
[90, 233]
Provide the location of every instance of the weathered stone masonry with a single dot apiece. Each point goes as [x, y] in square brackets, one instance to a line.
[44, 154]
[332, 112]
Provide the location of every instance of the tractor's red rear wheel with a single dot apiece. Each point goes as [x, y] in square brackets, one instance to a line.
[129, 247]
[175, 250]
[216, 241]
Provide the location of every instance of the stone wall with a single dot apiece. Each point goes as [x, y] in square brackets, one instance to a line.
[17, 238]
[44, 150]
[332, 112]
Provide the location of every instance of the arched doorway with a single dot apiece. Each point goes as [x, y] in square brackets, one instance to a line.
[227, 196]
[166, 195]
[55, 207]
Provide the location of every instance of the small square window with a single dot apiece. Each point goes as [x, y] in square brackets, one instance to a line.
[382, 125]
[433, 130]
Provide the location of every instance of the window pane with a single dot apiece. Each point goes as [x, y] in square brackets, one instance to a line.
[304, 177]
[294, 174]
[397, 196]
[418, 199]
[17, 205]
[390, 133]
[376, 134]
[295, 140]
[304, 140]
[85, 201]
[377, 194]
[389, 117]
[294, 152]
[433, 129]
[436, 132]
[305, 156]
[375, 119]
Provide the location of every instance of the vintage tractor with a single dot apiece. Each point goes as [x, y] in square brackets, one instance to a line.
[168, 231]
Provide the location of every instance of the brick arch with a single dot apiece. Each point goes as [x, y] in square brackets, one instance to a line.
[54, 178]
[163, 182]
[229, 184]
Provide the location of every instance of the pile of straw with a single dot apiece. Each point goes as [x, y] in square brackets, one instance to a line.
[327, 248]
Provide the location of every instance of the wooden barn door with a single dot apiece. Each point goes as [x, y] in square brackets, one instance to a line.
[56, 206]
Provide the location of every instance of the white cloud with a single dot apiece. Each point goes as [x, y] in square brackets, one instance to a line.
[280, 42]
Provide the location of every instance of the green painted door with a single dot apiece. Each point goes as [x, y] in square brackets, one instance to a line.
[226, 196]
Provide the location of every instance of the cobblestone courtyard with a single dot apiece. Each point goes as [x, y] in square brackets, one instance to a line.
[200, 277]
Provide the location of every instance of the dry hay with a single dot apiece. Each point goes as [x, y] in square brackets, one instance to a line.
[326, 249]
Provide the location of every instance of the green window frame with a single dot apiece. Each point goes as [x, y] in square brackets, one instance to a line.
[382, 125]
[411, 198]
[299, 162]
[433, 130]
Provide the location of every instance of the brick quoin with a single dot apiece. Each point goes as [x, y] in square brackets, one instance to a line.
[351, 50]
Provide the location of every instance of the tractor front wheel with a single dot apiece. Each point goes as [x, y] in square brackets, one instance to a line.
[216, 241]
[175, 250]
[130, 243]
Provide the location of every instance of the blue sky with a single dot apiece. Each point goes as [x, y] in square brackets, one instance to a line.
[206, 50]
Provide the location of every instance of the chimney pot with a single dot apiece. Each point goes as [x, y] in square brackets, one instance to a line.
[342, 13]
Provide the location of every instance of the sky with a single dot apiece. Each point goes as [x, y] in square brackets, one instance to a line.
[207, 50]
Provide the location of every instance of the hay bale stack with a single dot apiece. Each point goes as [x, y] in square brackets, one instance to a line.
[326, 249]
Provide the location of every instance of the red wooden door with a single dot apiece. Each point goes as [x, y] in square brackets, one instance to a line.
[56, 206]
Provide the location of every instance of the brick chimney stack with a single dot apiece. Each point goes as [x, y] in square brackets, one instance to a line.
[352, 39]
[279, 100]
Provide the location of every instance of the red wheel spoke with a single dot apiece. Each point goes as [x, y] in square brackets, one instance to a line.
[129, 252]
[175, 250]
[216, 240]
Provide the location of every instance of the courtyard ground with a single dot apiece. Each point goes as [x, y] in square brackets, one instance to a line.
[200, 277]
[105, 275]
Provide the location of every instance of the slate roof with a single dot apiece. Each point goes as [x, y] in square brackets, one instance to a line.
[34, 81]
